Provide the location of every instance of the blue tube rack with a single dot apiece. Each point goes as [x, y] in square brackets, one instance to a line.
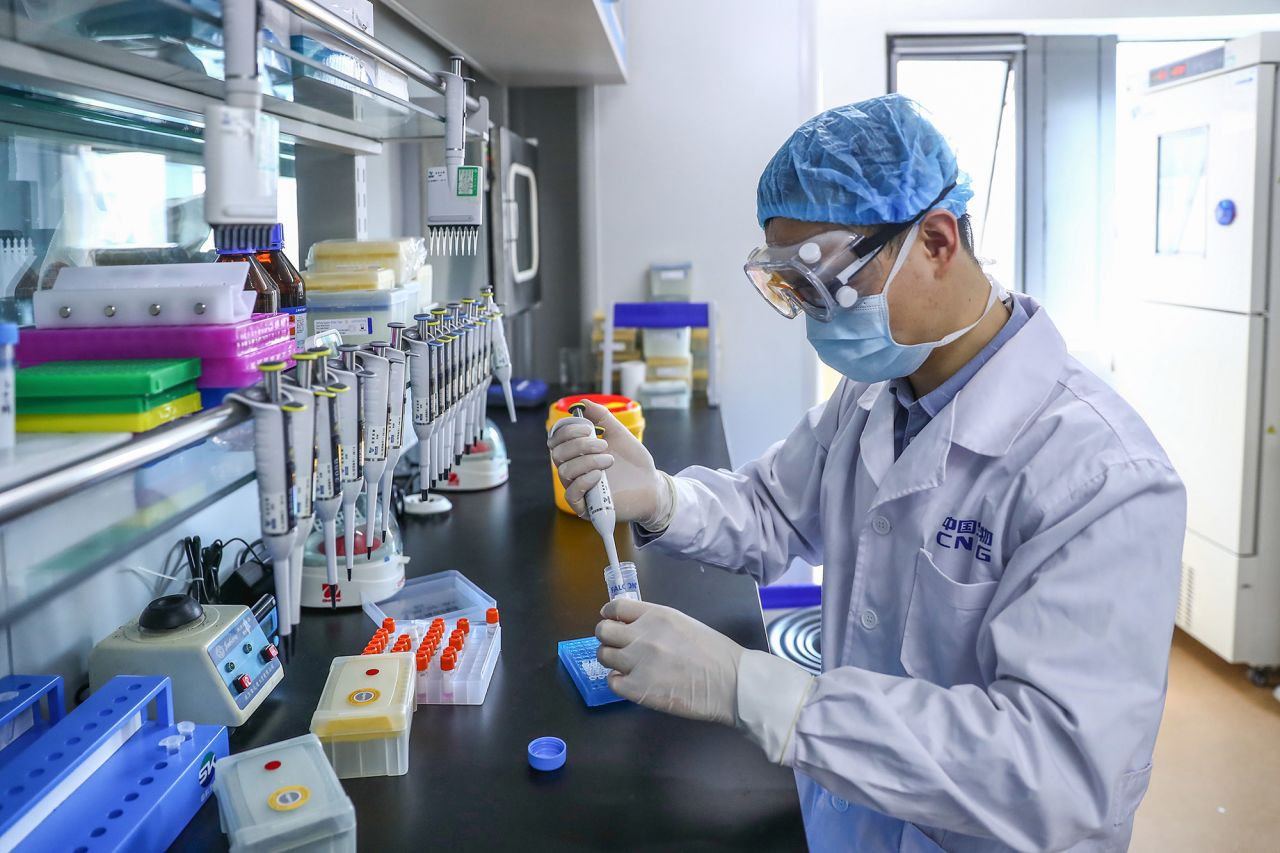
[592, 680]
[99, 780]
[22, 717]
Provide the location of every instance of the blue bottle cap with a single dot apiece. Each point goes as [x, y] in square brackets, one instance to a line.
[547, 753]
[276, 242]
[8, 334]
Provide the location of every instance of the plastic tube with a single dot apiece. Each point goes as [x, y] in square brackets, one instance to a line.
[622, 581]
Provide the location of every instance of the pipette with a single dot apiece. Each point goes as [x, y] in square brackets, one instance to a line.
[397, 386]
[351, 439]
[501, 356]
[328, 464]
[304, 460]
[375, 436]
[276, 507]
[599, 501]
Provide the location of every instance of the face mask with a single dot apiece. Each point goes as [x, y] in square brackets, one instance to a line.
[858, 343]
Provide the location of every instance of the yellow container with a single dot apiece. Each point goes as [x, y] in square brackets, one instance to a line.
[626, 410]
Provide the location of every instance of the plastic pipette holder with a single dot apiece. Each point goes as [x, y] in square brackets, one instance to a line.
[107, 777]
[592, 680]
[22, 716]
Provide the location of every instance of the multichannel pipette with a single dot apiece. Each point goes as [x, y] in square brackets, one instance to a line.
[276, 501]
[328, 463]
[303, 434]
[375, 435]
[599, 502]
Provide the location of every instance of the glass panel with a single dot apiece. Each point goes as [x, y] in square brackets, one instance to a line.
[1182, 207]
[43, 555]
[971, 101]
[81, 185]
[306, 73]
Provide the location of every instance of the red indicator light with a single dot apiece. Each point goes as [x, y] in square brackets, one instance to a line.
[1179, 70]
[1160, 75]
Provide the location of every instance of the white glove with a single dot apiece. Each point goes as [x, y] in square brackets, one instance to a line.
[671, 662]
[668, 661]
[641, 492]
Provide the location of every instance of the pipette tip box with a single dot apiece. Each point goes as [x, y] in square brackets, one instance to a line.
[110, 776]
[364, 713]
[284, 796]
[591, 678]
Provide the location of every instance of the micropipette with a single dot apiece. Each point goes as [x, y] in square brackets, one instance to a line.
[304, 461]
[328, 464]
[351, 439]
[397, 386]
[599, 501]
[276, 507]
[8, 385]
[375, 440]
[501, 357]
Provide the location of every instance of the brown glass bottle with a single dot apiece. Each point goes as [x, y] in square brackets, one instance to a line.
[258, 281]
[293, 292]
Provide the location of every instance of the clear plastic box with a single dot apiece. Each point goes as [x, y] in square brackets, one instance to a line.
[667, 343]
[284, 796]
[471, 676]
[364, 713]
[359, 315]
[447, 594]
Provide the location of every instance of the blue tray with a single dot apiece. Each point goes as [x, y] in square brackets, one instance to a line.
[22, 717]
[579, 659]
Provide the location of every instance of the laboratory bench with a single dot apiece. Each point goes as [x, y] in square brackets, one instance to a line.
[634, 778]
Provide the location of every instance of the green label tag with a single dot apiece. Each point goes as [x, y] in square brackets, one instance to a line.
[468, 180]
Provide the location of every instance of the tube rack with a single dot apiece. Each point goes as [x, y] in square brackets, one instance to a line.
[578, 657]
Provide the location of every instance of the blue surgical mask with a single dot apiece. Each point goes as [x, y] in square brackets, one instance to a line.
[858, 342]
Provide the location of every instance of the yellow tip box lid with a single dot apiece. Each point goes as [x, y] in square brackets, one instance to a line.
[366, 697]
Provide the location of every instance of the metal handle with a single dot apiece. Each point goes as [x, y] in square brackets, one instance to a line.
[40, 491]
[519, 170]
[359, 38]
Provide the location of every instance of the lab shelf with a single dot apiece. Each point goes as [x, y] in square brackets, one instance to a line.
[168, 54]
[65, 525]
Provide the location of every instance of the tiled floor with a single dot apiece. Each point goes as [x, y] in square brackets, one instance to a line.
[1216, 784]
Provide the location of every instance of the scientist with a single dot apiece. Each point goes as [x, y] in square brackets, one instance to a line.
[1000, 533]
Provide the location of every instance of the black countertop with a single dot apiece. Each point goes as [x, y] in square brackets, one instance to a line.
[634, 779]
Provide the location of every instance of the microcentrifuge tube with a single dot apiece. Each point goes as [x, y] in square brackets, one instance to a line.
[172, 743]
[186, 728]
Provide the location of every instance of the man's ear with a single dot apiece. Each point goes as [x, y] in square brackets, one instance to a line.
[940, 236]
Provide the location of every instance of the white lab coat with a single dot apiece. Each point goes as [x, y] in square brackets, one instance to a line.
[997, 604]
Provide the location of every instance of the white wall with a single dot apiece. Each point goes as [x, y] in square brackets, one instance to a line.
[669, 170]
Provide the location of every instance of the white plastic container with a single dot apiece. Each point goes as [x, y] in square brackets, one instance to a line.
[450, 595]
[671, 282]
[284, 796]
[667, 343]
[632, 375]
[667, 394]
[359, 315]
[364, 713]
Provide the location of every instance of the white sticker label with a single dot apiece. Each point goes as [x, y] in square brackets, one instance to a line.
[672, 372]
[345, 325]
[671, 275]
[437, 175]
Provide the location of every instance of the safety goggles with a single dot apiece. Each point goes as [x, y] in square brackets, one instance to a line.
[814, 275]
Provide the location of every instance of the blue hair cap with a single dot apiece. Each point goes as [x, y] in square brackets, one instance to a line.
[875, 162]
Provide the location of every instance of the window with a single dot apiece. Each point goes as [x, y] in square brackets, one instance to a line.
[969, 88]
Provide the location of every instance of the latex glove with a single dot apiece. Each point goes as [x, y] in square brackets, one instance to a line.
[668, 661]
[641, 492]
[671, 662]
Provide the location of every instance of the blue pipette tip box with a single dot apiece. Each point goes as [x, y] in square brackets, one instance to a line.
[592, 680]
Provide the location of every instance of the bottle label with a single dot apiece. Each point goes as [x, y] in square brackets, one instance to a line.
[298, 324]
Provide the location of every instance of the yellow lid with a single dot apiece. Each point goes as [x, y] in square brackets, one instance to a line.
[272, 366]
[366, 697]
[292, 407]
[303, 355]
[337, 389]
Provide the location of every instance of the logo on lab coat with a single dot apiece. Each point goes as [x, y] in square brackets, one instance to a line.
[965, 535]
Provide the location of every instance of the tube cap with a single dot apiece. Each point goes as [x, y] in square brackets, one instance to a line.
[547, 753]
